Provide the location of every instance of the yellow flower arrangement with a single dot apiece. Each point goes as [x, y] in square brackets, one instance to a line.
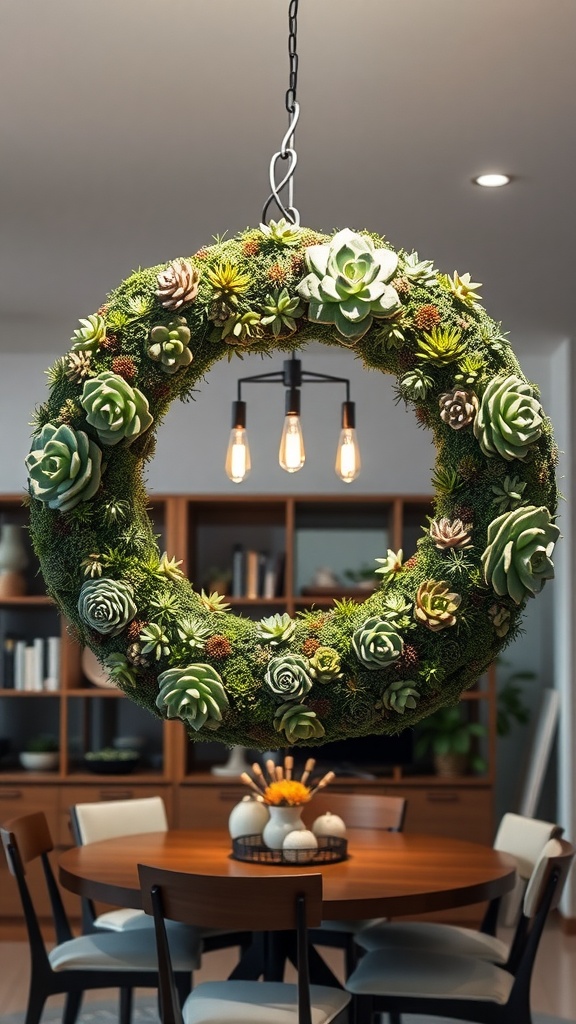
[286, 793]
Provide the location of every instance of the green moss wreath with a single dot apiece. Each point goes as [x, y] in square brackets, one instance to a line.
[435, 622]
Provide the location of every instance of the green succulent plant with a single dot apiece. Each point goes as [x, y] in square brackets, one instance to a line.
[281, 310]
[447, 732]
[282, 232]
[421, 271]
[376, 643]
[395, 609]
[194, 634]
[154, 641]
[169, 345]
[435, 605]
[508, 494]
[390, 565]
[119, 669]
[348, 284]
[276, 629]
[106, 605]
[470, 368]
[89, 335]
[194, 694]
[242, 327]
[510, 418]
[415, 385]
[325, 665]
[287, 676]
[463, 288]
[298, 723]
[116, 410]
[441, 346]
[518, 557]
[400, 695]
[64, 467]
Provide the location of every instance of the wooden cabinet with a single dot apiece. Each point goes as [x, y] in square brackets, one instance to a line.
[268, 553]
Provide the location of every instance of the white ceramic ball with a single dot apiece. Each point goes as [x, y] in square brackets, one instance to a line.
[247, 818]
[329, 825]
[297, 844]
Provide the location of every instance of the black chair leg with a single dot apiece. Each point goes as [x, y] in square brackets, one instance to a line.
[350, 955]
[395, 1017]
[36, 1001]
[183, 986]
[72, 1007]
[125, 1011]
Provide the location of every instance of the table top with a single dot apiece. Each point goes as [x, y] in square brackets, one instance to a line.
[386, 874]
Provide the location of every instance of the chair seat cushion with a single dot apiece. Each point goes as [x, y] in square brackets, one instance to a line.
[134, 951]
[350, 927]
[428, 975]
[259, 1002]
[122, 919]
[441, 938]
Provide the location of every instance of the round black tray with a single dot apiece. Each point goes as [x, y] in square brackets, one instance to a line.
[331, 849]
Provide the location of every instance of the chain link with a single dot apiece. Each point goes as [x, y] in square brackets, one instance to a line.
[292, 55]
[287, 150]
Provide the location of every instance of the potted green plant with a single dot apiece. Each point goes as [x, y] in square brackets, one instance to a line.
[449, 738]
[40, 754]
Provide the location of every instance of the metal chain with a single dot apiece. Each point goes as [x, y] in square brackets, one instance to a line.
[287, 150]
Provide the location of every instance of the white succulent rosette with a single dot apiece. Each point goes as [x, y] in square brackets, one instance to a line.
[64, 467]
[518, 559]
[116, 410]
[194, 694]
[377, 643]
[288, 676]
[509, 421]
[106, 605]
[348, 283]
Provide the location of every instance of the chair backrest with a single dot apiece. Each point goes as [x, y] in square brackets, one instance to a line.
[360, 810]
[555, 860]
[272, 903]
[524, 839]
[93, 822]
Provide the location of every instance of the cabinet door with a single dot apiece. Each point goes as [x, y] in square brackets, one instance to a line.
[14, 802]
[207, 806]
[458, 812]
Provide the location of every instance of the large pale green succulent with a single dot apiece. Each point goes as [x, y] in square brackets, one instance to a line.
[276, 629]
[89, 335]
[400, 695]
[106, 605]
[116, 410]
[298, 722]
[348, 283]
[64, 467]
[376, 643]
[518, 558]
[169, 345]
[509, 420]
[194, 694]
[288, 676]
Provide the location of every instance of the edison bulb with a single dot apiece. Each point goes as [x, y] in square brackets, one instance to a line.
[348, 462]
[238, 455]
[292, 455]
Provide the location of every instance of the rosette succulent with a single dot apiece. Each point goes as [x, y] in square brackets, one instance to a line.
[282, 232]
[458, 408]
[348, 283]
[441, 346]
[518, 558]
[280, 310]
[276, 629]
[435, 605]
[449, 533]
[376, 643]
[400, 695]
[508, 494]
[509, 420]
[325, 665]
[193, 633]
[155, 641]
[169, 345]
[288, 676]
[119, 670]
[419, 270]
[390, 565]
[89, 335]
[463, 288]
[396, 608]
[415, 385]
[194, 694]
[64, 467]
[298, 722]
[116, 410]
[178, 284]
[501, 618]
[106, 605]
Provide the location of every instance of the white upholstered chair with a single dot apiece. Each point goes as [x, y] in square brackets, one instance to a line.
[522, 838]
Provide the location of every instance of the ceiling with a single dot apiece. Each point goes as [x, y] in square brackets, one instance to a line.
[132, 131]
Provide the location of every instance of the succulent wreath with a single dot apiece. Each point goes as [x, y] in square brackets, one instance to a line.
[436, 620]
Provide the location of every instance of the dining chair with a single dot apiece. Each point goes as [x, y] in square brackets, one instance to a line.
[469, 988]
[522, 838]
[276, 903]
[358, 810]
[107, 960]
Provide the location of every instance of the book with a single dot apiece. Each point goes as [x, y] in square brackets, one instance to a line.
[39, 646]
[252, 558]
[19, 656]
[52, 678]
[238, 570]
[30, 660]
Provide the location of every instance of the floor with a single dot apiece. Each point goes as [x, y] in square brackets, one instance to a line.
[553, 990]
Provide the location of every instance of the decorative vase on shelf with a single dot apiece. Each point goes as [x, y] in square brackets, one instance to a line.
[13, 560]
[235, 765]
[283, 820]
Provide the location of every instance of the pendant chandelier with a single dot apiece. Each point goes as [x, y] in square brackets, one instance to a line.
[291, 455]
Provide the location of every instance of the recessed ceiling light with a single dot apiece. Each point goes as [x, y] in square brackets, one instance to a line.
[492, 180]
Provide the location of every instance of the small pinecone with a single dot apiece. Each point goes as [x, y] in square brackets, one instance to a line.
[411, 562]
[125, 367]
[134, 629]
[218, 647]
[79, 365]
[320, 706]
[426, 317]
[310, 646]
[135, 656]
[402, 285]
[178, 284]
[251, 247]
[277, 274]
[408, 660]
[110, 343]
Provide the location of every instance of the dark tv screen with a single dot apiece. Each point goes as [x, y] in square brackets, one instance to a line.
[368, 755]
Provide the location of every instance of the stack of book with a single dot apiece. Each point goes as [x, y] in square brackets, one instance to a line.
[256, 574]
[31, 666]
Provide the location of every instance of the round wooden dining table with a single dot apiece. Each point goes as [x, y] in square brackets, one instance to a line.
[386, 874]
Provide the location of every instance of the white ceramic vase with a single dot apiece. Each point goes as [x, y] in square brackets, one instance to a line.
[283, 820]
[248, 818]
[13, 559]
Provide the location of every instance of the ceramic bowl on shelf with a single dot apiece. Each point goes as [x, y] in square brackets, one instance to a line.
[112, 762]
[39, 760]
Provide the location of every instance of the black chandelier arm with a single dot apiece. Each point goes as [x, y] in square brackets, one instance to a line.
[325, 378]
[275, 377]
